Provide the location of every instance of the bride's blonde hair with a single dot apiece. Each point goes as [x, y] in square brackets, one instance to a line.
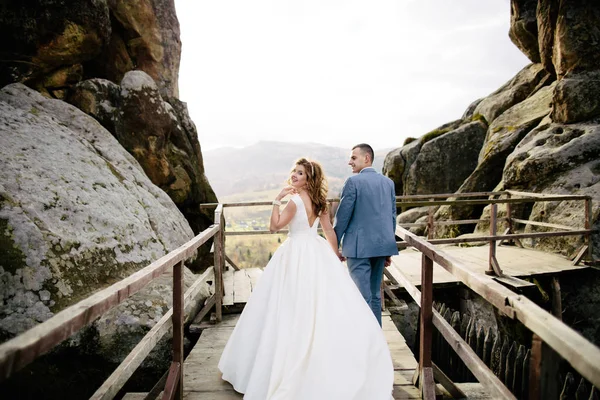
[316, 184]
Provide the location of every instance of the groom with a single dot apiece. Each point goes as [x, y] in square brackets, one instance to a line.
[365, 223]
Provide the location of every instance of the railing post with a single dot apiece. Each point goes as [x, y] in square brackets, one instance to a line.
[543, 371]
[430, 221]
[492, 255]
[219, 248]
[509, 216]
[178, 314]
[588, 225]
[426, 384]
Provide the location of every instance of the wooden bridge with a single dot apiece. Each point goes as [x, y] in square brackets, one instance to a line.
[491, 277]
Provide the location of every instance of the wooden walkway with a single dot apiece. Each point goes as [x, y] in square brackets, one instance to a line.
[239, 285]
[513, 260]
[202, 379]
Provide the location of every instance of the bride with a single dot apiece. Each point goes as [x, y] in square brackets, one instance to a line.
[306, 332]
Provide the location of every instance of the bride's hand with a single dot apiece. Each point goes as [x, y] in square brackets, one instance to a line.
[285, 191]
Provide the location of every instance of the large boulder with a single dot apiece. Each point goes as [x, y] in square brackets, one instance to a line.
[160, 135]
[523, 85]
[577, 97]
[444, 162]
[503, 135]
[559, 159]
[398, 162]
[77, 213]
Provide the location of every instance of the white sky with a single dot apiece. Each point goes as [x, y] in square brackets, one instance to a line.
[338, 72]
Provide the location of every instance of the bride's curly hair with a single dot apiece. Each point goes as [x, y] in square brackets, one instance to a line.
[316, 184]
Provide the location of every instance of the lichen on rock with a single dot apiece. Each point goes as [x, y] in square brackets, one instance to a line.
[77, 212]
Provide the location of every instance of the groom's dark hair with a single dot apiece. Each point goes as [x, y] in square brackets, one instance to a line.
[365, 148]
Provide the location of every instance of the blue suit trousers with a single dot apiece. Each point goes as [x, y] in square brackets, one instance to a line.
[367, 274]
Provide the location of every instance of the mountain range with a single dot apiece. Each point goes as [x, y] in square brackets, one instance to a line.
[265, 166]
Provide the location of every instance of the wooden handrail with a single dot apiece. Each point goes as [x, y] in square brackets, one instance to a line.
[544, 196]
[462, 349]
[134, 359]
[569, 344]
[543, 224]
[413, 200]
[21, 350]
[219, 246]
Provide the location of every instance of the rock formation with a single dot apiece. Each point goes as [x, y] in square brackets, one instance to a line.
[541, 127]
[92, 193]
[159, 134]
[77, 213]
[119, 62]
[51, 45]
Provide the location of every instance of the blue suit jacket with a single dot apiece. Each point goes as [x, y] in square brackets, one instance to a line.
[365, 220]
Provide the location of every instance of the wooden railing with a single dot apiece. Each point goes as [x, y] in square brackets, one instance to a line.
[510, 198]
[580, 353]
[583, 356]
[25, 348]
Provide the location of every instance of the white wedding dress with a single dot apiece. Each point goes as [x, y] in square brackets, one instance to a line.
[307, 333]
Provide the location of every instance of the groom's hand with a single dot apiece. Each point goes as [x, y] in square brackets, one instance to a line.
[388, 261]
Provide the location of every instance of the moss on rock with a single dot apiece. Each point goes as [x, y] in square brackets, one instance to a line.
[11, 257]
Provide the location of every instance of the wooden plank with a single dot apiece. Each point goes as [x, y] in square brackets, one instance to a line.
[412, 200]
[588, 223]
[134, 359]
[578, 351]
[427, 384]
[577, 259]
[157, 389]
[21, 350]
[572, 346]
[254, 275]
[513, 282]
[547, 197]
[219, 263]
[405, 392]
[228, 286]
[178, 316]
[208, 305]
[544, 224]
[447, 383]
[462, 349]
[532, 235]
[336, 200]
[172, 381]
[242, 286]
[230, 262]
[425, 323]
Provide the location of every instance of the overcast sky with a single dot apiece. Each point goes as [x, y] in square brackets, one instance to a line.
[338, 72]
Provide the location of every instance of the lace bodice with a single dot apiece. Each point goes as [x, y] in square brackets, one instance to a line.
[299, 223]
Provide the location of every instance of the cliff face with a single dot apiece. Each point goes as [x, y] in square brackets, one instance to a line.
[117, 61]
[541, 127]
[101, 170]
[51, 44]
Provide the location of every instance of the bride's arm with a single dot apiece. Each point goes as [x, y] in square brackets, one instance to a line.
[279, 220]
[330, 233]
